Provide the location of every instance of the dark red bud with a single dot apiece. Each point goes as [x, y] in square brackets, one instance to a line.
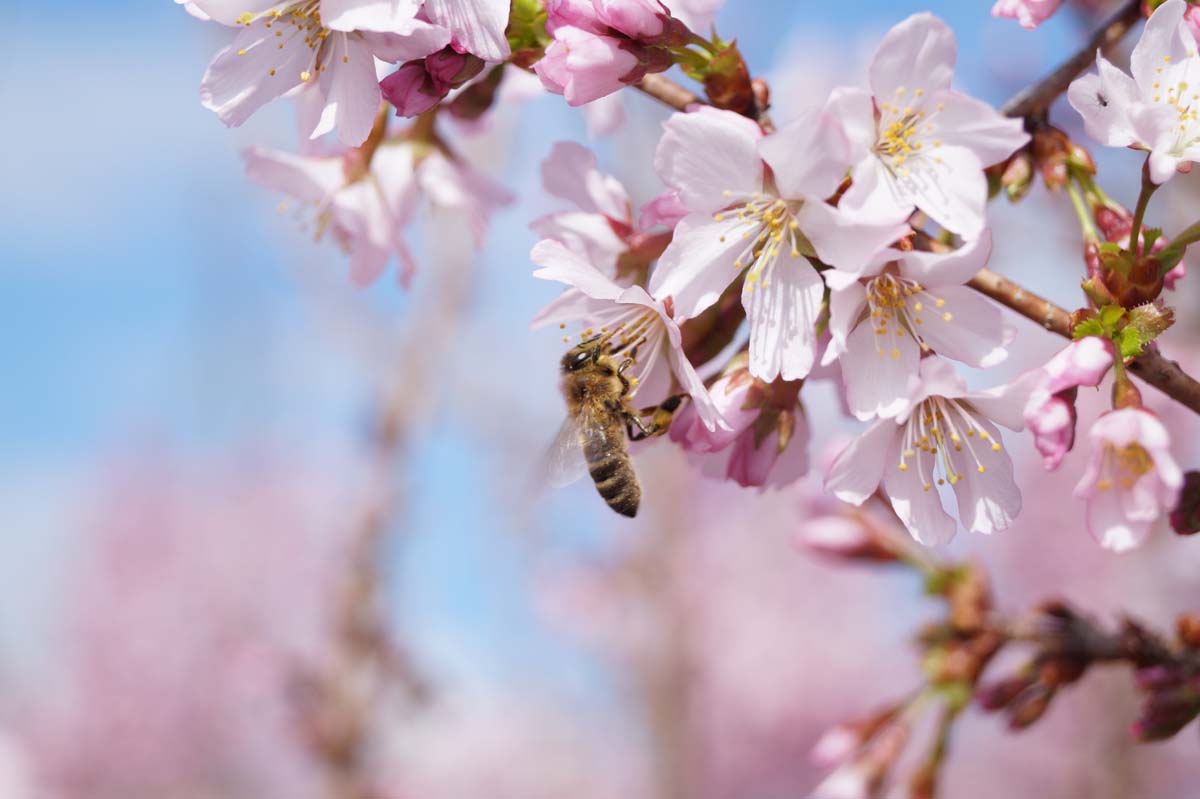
[1185, 519]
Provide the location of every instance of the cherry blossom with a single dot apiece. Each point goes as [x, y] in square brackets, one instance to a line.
[916, 143]
[947, 437]
[1131, 480]
[367, 209]
[328, 49]
[740, 218]
[601, 224]
[1156, 108]
[767, 443]
[640, 321]
[1030, 13]
[905, 304]
[1050, 412]
[419, 85]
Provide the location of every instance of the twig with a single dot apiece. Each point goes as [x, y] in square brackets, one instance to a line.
[1151, 367]
[668, 92]
[1038, 97]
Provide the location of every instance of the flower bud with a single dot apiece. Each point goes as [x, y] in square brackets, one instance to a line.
[1185, 518]
[1017, 178]
[1029, 706]
[1050, 148]
[1168, 710]
[727, 82]
[1187, 628]
[844, 536]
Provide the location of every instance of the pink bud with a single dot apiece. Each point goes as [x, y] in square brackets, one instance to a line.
[583, 66]
[637, 19]
[1050, 411]
[1029, 13]
[410, 90]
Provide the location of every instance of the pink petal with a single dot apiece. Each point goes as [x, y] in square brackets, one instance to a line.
[570, 173]
[698, 265]
[782, 304]
[843, 241]
[1103, 101]
[308, 179]
[975, 125]
[856, 472]
[918, 53]
[706, 153]
[477, 25]
[919, 509]
[235, 86]
[948, 269]
[988, 501]
[1165, 35]
[809, 157]
[876, 370]
[1106, 522]
[382, 16]
[975, 332]
[845, 307]
[350, 90]
[561, 264]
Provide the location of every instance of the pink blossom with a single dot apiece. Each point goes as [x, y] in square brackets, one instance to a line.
[1050, 411]
[600, 225]
[583, 66]
[419, 85]
[287, 46]
[367, 210]
[1030, 13]
[1148, 110]
[768, 436]
[696, 14]
[905, 304]
[600, 303]
[916, 143]
[738, 219]
[1131, 479]
[947, 437]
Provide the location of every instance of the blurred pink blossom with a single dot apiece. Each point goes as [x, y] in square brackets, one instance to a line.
[1050, 411]
[1030, 13]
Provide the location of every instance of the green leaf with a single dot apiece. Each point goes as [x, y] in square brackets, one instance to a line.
[1110, 315]
[1130, 342]
[1088, 327]
[1149, 236]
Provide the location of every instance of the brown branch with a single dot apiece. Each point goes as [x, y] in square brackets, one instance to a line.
[1038, 97]
[1153, 368]
[668, 92]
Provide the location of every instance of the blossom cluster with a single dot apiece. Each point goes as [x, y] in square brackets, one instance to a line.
[840, 245]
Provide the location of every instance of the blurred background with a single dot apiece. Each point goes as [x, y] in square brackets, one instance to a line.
[217, 545]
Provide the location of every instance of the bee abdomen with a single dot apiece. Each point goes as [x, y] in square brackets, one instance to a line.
[617, 483]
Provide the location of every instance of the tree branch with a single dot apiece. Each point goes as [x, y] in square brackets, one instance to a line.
[668, 92]
[1038, 97]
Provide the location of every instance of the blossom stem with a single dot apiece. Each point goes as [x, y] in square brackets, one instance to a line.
[1139, 212]
[1083, 212]
[1038, 97]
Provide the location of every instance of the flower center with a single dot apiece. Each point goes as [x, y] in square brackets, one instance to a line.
[767, 224]
[298, 20]
[940, 438]
[895, 305]
[1123, 466]
[902, 129]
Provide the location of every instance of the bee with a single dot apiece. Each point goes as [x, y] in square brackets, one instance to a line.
[599, 418]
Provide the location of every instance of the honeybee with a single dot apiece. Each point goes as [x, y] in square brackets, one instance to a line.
[598, 419]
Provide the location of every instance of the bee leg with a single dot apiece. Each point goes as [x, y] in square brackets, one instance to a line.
[660, 418]
[642, 432]
[626, 383]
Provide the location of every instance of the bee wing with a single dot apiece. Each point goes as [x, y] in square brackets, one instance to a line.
[564, 460]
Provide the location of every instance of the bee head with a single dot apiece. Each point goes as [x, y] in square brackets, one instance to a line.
[579, 358]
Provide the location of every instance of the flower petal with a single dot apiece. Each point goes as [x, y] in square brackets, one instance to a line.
[845, 307]
[309, 179]
[918, 53]
[856, 472]
[876, 369]
[975, 125]
[258, 67]
[561, 264]
[570, 173]
[350, 90]
[699, 263]
[1164, 39]
[477, 25]
[782, 302]
[1103, 101]
[918, 505]
[1106, 521]
[809, 157]
[948, 269]
[842, 240]
[966, 326]
[706, 153]
[949, 185]
[988, 500]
